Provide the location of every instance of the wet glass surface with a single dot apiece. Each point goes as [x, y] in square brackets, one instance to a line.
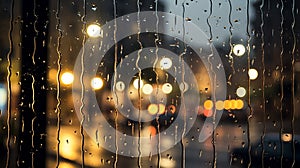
[180, 83]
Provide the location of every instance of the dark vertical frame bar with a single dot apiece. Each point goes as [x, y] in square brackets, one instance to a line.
[32, 140]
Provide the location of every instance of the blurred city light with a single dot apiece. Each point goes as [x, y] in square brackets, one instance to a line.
[97, 83]
[253, 74]
[165, 63]
[147, 89]
[167, 88]
[219, 105]
[208, 104]
[156, 109]
[52, 75]
[67, 78]
[149, 131]
[207, 113]
[241, 92]
[3, 98]
[94, 30]
[120, 86]
[286, 137]
[239, 50]
[239, 104]
[227, 105]
[136, 83]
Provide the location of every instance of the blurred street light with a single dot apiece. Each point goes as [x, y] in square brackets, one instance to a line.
[253, 74]
[241, 92]
[167, 88]
[97, 83]
[239, 50]
[67, 78]
[94, 30]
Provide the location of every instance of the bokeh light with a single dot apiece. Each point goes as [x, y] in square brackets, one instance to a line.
[239, 104]
[167, 88]
[208, 104]
[253, 74]
[156, 109]
[147, 89]
[239, 50]
[241, 92]
[165, 63]
[137, 83]
[3, 97]
[94, 30]
[67, 78]
[219, 105]
[97, 83]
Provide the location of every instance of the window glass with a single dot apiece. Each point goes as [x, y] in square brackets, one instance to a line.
[182, 83]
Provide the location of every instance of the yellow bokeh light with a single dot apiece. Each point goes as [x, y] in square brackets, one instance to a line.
[94, 30]
[220, 105]
[167, 88]
[253, 74]
[208, 104]
[156, 109]
[233, 104]
[286, 137]
[161, 109]
[227, 105]
[153, 109]
[239, 104]
[97, 83]
[67, 78]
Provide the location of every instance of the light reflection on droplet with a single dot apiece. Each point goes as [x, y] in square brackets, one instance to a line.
[120, 86]
[183, 87]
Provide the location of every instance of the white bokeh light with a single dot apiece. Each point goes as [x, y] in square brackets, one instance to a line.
[67, 78]
[147, 89]
[3, 97]
[165, 63]
[239, 50]
[253, 74]
[97, 83]
[136, 83]
[167, 88]
[241, 91]
[94, 30]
